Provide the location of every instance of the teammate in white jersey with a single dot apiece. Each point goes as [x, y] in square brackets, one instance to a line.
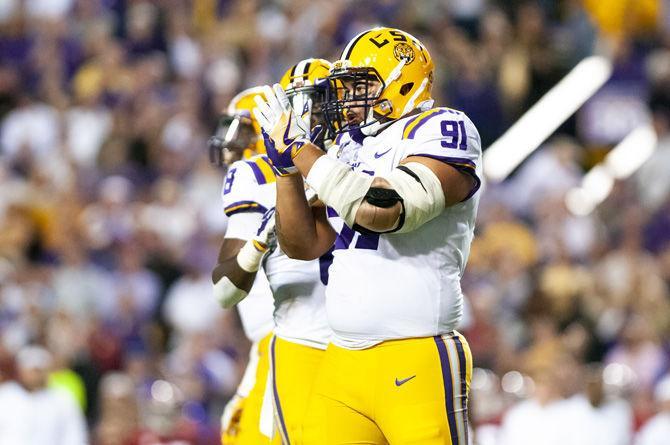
[397, 371]
[236, 146]
[301, 333]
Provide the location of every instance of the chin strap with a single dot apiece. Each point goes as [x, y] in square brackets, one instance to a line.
[373, 127]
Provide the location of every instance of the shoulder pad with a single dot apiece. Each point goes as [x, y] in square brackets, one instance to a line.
[427, 119]
[261, 169]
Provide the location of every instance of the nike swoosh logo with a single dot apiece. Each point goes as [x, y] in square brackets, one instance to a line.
[379, 155]
[403, 381]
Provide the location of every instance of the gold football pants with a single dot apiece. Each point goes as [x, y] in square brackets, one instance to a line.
[409, 391]
[294, 369]
[240, 423]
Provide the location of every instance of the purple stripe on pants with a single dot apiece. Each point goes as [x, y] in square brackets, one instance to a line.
[448, 388]
[276, 395]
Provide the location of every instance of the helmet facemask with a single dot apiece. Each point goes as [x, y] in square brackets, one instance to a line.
[354, 99]
[234, 134]
[308, 101]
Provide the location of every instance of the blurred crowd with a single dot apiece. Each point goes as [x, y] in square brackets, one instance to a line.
[110, 216]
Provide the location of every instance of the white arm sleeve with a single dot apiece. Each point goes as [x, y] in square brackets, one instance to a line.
[227, 294]
[339, 186]
[344, 190]
[422, 195]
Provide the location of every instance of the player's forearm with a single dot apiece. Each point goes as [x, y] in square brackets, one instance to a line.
[231, 281]
[240, 279]
[231, 268]
[405, 199]
[295, 225]
[375, 218]
[306, 158]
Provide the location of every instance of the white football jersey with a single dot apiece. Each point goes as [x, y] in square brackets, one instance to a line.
[297, 287]
[394, 286]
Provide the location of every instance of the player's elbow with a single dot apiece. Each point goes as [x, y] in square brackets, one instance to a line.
[227, 293]
[300, 248]
[381, 208]
[302, 256]
[460, 188]
[378, 219]
[218, 273]
[304, 253]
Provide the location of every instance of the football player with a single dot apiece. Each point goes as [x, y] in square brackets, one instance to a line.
[238, 146]
[397, 370]
[301, 333]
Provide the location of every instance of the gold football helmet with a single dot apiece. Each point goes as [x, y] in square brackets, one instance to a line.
[238, 134]
[305, 86]
[304, 74]
[396, 61]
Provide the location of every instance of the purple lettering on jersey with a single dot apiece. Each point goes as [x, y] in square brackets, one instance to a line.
[368, 241]
[365, 241]
[464, 136]
[265, 220]
[344, 238]
[449, 130]
[325, 261]
[228, 184]
[456, 131]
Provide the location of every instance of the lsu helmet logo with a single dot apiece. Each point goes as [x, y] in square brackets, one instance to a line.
[403, 51]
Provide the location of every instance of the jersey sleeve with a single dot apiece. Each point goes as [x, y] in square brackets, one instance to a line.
[449, 136]
[240, 203]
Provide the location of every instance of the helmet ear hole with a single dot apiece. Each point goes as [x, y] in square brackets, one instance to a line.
[406, 88]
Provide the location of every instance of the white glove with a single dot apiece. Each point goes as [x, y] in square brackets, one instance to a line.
[278, 118]
[284, 130]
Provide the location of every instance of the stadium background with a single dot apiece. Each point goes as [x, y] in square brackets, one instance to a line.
[110, 218]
